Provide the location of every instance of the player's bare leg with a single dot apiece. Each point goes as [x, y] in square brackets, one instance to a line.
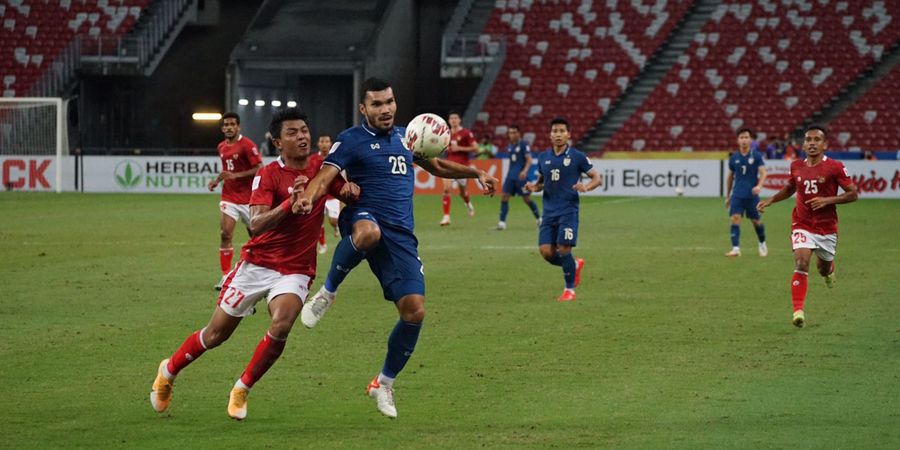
[799, 285]
[217, 331]
[284, 309]
[350, 251]
[826, 269]
[226, 249]
[401, 344]
[735, 236]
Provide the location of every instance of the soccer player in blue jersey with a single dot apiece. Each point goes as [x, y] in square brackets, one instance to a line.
[559, 176]
[746, 174]
[517, 176]
[379, 226]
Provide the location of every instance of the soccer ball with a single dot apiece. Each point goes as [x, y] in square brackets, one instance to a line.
[427, 135]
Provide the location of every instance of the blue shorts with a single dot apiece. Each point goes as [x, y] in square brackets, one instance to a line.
[745, 207]
[395, 261]
[559, 230]
[512, 185]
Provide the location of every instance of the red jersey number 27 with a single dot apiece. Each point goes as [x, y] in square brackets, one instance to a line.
[810, 187]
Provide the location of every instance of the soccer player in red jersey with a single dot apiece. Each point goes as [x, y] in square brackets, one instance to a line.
[814, 223]
[332, 205]
[240, 161]
[278, 264]
[462, 146]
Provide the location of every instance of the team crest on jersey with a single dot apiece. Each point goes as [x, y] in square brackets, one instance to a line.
[234, 156]
[750, 160]
[567, 161]
[821, 180]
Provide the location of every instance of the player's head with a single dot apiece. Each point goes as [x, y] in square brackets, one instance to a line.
[514, 133]
[231, 125]
[323, 144]
[745, 138]
[815, 140]
[290, 132]
[559, 132]
[378, 104]
[454, 119]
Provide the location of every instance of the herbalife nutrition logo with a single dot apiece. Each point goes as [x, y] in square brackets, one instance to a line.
[128, 174]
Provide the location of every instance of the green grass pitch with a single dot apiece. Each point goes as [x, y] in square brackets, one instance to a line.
[669, 345]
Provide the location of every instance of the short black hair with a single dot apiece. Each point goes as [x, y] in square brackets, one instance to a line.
[817, 127]
[323, 135]
[514, 126]
[746, 130]
[231, 115]
[559, 120]
[283, 115]
[373, 85]
[452, 112]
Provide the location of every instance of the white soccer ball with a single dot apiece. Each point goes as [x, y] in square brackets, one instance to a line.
[427, 135]
[679, 191]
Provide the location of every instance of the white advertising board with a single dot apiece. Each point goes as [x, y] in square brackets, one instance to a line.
[658, 178]
[36, 173]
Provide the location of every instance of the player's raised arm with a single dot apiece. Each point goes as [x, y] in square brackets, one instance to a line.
[315, 189]
[449, 169]
[596, 180]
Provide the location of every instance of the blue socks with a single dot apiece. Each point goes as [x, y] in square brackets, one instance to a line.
[568, 266]
[761, 232]
[504, 210]
[736, 235]
[534, 209]
[401, 344]
[346, 257]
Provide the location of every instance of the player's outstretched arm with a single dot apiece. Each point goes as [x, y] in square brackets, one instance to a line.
[449, 169]
[315, 189]
[596, 179]
[784, 193]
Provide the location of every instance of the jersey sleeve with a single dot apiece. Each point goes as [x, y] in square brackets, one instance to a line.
[791, 179]
[341, 154]
[263, 188]
[842, 176]
[761, 158]
[731, 164]
[252, 153]
[585, 165]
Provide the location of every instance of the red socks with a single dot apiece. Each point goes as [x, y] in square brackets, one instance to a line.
[190, 350]
[267, 352]
[445, 201]
[225, 255]
[322, 236]
[798, 290]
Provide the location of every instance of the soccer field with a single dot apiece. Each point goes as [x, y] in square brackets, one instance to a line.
[669, 345]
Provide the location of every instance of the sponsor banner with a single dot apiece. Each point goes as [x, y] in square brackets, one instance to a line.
[875, 179]
[427, 183]
[655, 178]
[31, 173]
[149, 174]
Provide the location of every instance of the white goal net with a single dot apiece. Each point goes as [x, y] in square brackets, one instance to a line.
[33, 127]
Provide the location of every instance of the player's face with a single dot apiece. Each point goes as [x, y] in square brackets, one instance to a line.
[559, 135]
[295, 140]
[230, 128]
[454, 120]
[324, 144]
[514, 135]
[814, 143]
[744, 141]
[379, 107]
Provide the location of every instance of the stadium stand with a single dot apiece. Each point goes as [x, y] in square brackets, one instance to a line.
[873, 122]
[768, 65]
[568, 58]
[34, 32]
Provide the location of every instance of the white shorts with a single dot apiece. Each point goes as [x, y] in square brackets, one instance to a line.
[248, 283]
[235, 211]
[333, 208]
[824, 245]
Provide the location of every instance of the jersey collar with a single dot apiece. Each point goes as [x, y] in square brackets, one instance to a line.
[375, 131]
[280, 162]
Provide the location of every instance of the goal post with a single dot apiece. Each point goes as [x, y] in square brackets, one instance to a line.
[33, 127]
